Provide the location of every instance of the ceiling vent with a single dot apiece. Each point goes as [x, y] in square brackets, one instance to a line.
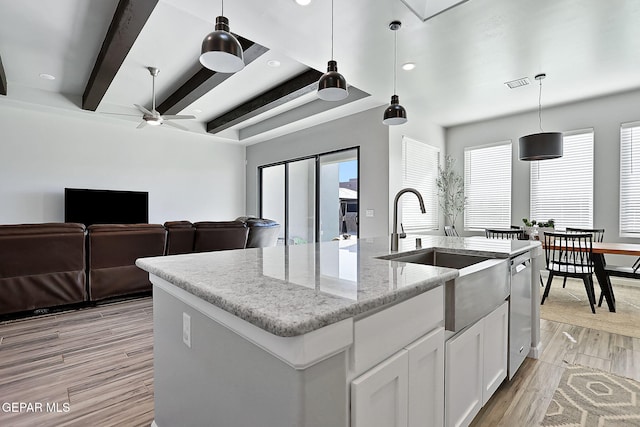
[518, 83]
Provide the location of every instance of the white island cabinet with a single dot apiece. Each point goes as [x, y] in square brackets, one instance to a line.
[476, 365]
[314, 335]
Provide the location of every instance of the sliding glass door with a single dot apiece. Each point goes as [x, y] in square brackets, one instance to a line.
[314, 198]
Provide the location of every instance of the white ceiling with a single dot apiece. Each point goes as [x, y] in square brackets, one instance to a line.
[464, 56]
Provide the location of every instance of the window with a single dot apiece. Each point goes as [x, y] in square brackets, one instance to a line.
[562, 189]
[630, 180]
[487, 186]
[313, 198]
[419, 171]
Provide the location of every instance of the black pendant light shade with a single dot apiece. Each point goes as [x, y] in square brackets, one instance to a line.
[332, 86]
[395, 114]
[221, 51]
[540, 146]
[543, 145]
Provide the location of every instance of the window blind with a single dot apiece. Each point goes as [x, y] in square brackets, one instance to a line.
[487, 186]
[419, 170]
[630, 179]
[562, 189]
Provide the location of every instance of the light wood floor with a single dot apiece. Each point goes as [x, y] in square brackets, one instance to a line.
[100, 362]
[523, 401]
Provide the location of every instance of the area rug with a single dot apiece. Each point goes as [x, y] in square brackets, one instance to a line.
[570, 305]
[592, 398]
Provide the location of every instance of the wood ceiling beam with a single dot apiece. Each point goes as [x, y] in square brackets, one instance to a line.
[3, 80]
[205, 80]
[281, 94]
[127, 23]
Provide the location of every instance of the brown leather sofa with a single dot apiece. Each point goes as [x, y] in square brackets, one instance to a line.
[112, 252]
[54, 264]
[262, 232]
[180, 237]
[219, 235]
[41, 266]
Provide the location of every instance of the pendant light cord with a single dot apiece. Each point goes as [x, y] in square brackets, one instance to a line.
[395, 59]
[222, 12]
[332, 30]
[540, 107]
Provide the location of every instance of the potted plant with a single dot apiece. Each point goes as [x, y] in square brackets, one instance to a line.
[535, 228]
[450, 191]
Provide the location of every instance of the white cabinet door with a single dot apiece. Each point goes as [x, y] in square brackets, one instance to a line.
[379, 396]
[463, 376]
[426, 380]
[496, 335]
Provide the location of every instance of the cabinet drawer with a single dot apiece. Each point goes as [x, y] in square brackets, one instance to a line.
[380, 335]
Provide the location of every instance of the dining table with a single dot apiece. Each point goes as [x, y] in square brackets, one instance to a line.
[599, 250]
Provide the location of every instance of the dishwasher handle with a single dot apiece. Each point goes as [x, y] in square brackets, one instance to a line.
[515, 269]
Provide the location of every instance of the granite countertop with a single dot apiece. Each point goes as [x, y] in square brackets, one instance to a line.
[290, 291]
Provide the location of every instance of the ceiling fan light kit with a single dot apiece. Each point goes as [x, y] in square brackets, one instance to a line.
[221, 51]
[153, 117]
[395, 114]
[542, 145]
[332, 86]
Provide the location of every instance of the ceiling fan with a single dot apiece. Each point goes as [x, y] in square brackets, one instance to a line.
[153, 117]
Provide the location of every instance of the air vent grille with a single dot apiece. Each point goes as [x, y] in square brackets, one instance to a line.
[518, 83]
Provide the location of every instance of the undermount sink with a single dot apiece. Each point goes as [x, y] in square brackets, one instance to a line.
[438, 258]
[482, 284]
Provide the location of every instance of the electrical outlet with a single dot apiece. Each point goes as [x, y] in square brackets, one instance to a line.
[369, 213]
[186, 329]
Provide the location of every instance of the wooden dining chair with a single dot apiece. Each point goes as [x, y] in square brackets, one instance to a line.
[493, 233]
[598, 236]
[570, 255]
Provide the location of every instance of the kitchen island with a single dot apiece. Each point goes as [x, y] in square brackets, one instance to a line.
[299, 335]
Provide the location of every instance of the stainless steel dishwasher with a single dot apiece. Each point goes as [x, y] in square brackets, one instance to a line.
[519, 311]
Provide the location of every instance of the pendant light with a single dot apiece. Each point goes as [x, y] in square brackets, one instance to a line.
[543, 145]
[332, 86]
[395, 114]
[221, 51]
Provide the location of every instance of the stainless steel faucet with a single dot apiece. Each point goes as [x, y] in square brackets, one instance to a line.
[394, 235]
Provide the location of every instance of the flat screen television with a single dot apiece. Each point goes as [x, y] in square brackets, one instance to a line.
[88, 206]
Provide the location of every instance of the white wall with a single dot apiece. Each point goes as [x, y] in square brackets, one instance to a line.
[43, 151]
[604, 115]
[364, 130]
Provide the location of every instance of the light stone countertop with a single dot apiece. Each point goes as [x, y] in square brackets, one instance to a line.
[290, 291]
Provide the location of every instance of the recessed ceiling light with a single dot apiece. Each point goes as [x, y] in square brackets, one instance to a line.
[303, 2]
[274, 63]
[47, 76]
[409, 66]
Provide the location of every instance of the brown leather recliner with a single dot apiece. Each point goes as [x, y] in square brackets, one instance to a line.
[112, 253]
[220, 235]
[41, 266]
[262, 232]
[180, 237]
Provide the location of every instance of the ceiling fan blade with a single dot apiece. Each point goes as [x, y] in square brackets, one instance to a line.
[144, 110]
[120, 114]
[142, 124]
[178, 117]
[175, 125]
